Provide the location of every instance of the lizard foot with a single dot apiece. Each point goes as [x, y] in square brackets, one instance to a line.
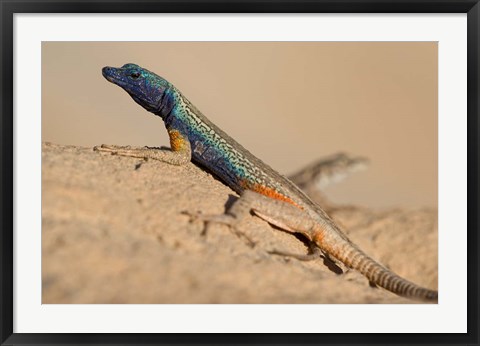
[116, 149]
[107, 148]
[315, 253]
[224, 219]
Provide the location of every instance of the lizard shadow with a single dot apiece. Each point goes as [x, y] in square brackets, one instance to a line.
[230, 201]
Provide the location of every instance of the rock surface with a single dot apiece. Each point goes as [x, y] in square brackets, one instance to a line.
[113, 232]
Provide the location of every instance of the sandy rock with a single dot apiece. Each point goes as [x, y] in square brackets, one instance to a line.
[113, 232]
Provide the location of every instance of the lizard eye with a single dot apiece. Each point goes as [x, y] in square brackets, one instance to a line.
[134, 75]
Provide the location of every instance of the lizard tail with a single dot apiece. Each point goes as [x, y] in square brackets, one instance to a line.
[385, 278]
[356, 259]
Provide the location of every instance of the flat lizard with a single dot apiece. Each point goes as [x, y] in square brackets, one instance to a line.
[314, 178]
[263, 191]
[324, 172]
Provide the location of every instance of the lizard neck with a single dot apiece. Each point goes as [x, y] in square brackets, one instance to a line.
[167, 105]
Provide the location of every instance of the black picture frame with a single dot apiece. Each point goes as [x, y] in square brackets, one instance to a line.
[9, 7]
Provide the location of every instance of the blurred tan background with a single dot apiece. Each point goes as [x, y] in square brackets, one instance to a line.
[289, 103]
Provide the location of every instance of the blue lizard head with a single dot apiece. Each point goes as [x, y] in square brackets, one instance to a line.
[145, 87]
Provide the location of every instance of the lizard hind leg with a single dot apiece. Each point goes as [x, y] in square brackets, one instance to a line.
[264, 207]
[290, 218]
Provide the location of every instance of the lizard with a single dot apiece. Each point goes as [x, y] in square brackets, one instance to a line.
[315, 177]
[263, 191]
[326, 171]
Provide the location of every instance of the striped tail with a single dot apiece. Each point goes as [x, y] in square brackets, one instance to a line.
[354, 258]
[387, 279]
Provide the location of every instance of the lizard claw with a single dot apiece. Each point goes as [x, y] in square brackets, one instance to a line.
[106, 148]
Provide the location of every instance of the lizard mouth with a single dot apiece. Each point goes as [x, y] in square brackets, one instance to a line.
[110, 74]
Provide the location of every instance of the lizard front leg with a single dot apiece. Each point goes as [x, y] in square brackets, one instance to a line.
[180, 154]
